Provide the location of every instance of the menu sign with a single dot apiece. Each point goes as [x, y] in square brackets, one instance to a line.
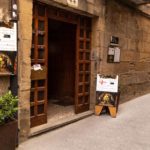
[107, 84]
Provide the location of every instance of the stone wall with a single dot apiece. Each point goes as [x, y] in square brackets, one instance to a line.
[134, 41]
[24, 66]
[109, 18]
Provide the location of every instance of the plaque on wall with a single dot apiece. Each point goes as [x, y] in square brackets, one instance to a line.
[8, 38]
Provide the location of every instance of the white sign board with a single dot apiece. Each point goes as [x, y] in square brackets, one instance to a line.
[72, 3]
[8, 38]
[107, 84]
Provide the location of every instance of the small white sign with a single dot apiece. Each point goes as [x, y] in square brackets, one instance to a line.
[37, 67]
[8, 38]
[111, 51]
[117, 54]
[72, 3]
[106, 84]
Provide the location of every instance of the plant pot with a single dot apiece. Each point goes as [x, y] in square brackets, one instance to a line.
[8, 135]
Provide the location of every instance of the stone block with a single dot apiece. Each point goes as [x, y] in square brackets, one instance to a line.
[146, 47]
[142, 77]
[24, 100]
[25, 50]
[142, 66]
[121, 68]
[146, 36]
[129, 56]
[25, 7]
[25, 27]
[144, 57]
[133, 45]
[123, 43]
[90, 8]
[132, 33]
[128, 78]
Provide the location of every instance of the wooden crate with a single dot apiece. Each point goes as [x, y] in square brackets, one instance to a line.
[39, 74]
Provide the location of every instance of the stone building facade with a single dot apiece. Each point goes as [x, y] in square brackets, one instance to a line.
[109, 18]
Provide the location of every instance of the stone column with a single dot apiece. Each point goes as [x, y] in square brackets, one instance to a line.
[24, 66]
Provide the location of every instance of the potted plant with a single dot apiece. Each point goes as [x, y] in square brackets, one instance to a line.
[8, 121]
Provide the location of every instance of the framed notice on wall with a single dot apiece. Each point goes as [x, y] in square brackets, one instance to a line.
[8, 38]
[107, 84]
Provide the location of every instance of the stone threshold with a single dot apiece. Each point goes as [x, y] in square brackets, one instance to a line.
[49, 126]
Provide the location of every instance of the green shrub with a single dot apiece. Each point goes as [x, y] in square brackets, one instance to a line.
[8, 107]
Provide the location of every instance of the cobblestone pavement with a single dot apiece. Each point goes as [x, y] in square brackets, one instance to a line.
[129, 131]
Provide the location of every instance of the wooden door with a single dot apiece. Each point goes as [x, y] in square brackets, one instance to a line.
[82, 93]
[38, 97]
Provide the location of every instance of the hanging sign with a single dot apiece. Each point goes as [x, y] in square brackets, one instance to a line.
[107, 84]
[8, 38]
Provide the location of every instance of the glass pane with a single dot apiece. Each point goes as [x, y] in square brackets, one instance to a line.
[81, 33]
[41, 10]
[88, 45]
[33, 38]
[87, 56]
[40, 39]
[87, 67]
[88, 34]
[32, 84]
[41, 54]
[41, 83]
[86, 99]
[40, 95]
[88, 22]
[87, 88]
[80, 90]
[31, 96]
[87, 78]
[80, 67]
[33, 24]
[81, 44]
[32, 111]
[32, 53]
[81, 22]
[80, 100]
[41, 109]
[81, 78]
[81, 56]
[41, 25]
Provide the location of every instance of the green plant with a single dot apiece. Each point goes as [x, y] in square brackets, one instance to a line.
[8, 107]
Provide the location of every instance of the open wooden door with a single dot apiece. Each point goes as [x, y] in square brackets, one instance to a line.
[38, 96]
[82, 93]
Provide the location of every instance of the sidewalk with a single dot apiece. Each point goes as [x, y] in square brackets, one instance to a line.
[129, 131]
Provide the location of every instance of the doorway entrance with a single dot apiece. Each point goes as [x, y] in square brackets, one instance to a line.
[61, 69]
[61, 46]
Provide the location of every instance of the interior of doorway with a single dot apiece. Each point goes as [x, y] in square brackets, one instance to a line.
[61, 69]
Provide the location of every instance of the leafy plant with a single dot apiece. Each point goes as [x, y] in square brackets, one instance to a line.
[8, 107]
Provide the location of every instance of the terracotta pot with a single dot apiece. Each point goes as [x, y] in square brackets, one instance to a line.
[8, 135]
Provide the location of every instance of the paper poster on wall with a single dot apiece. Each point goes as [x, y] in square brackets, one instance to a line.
[8, 38]
[117, 54]
[106, 84]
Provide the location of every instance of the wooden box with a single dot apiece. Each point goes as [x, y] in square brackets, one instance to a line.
[39, 74]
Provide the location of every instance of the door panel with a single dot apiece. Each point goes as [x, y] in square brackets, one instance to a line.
[83, 65]
[39, 54]
[38, 97]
